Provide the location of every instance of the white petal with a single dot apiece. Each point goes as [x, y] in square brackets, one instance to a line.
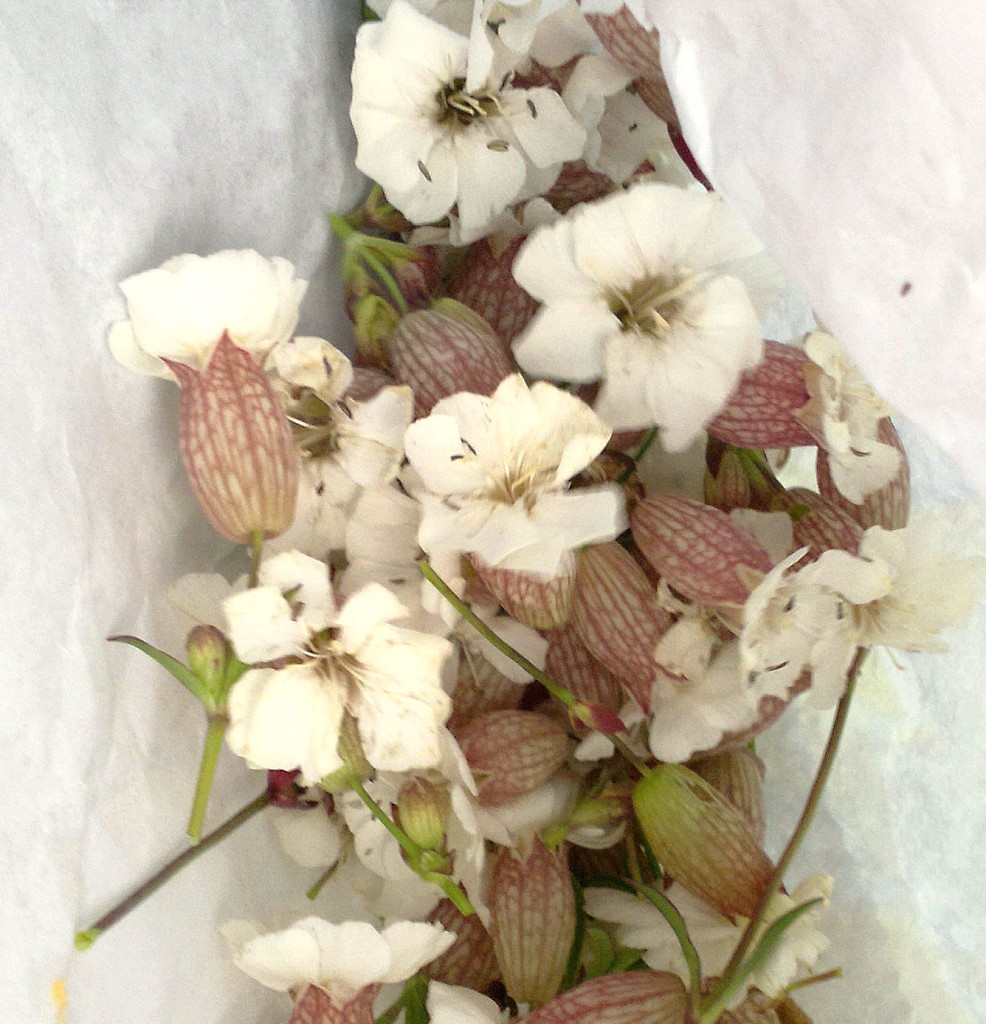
[412, 945]
[261, 626]
[306, 580]
[365, 612]
[453, 1004]
[286, 719]
[352, 955]
[543, 125]
[309, 836]
[281, 960]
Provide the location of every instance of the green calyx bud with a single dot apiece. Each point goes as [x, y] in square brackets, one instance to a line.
[355, 767]
[214, 665]
[422, 811]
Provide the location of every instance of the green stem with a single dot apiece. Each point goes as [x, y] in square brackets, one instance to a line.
[313, 892]
[85, 938]
[386, 279]
[214, 734]
[415, 854]
[256, 552]
[797, 836]
[680, 929]
[565, 696]
[649, 438]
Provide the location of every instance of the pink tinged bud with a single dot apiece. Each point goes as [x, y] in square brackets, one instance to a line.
[437, 354]
[578, 184]
[531, 600]
[738, 776]
[631, 997]
[484, 282]
[702, 840]
[316, 1006]
[570, 663]
[532, 908]
[639, 50]
[480, 688]
[729, 486]
[236, 445]
[470, 960]
[699, 550]
[818, 524]
[367, 382]
[760, 412]
[512, 753]
[616, 616]
[889, 506]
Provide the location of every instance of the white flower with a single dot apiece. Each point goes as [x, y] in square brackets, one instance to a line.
[436, 133]
[342, 958]
[622, 131]
[348, 444]
[919, 587]
[795, 621]
[844, 415]
[640, 925]
[351, 659]
[638, 8]
[647, 289]
[497, 469]
[180, 310]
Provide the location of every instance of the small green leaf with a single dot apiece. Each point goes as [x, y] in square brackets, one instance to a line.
[181, 672]
[723, 996]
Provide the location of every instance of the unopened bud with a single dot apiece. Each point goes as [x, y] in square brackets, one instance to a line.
[315, 1005]
[512, 753]
[628, 997]
[236, 445]
[209, 657]
[422, 810]
[374, 321]
[532, 907]
[526, 597]
[605, 808]
[470, 960]
[702, 840]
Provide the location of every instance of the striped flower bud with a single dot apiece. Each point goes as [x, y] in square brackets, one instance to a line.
[760, 412]
[699, 550]
[616, 616]
[817, 524]
[630, 997]
[236, 445]
[480, 687]
[524, 596]
[738, 776]
[470, 960]
[484, 282]
[570, 663]
[532, 908]
[512, 753]
[702, 840]
[728, 487]
[438, 353]
[316, 1006]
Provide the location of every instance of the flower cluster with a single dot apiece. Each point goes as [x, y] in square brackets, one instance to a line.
[526, 577]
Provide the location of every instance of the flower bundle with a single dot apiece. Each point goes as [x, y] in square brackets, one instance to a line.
[528, 575]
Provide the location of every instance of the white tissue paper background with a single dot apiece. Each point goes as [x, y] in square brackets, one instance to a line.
[133, 131]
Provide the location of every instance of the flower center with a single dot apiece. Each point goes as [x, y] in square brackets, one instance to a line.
[519, 483]
[456, 106]
[651, 304]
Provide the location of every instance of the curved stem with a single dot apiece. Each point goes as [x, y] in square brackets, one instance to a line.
[214, 734]
[85, 938]
[800, 830]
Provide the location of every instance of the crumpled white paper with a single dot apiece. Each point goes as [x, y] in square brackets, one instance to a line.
[132, 131]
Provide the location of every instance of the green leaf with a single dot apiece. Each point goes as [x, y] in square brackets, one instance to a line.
[765, 948]
[672, 915]
[181, 672]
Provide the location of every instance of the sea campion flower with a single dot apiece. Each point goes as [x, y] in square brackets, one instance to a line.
[844, 416]
[496, 472]
[343, 965]
[653, 291]
[436, 134]
[342, 660]
[181, 309]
